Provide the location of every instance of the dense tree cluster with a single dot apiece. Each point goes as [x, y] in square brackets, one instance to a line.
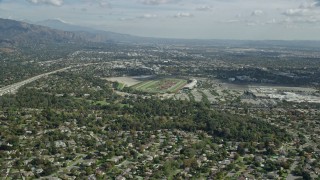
[152, 114]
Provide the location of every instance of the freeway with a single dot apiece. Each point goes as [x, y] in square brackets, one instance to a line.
[10, 89]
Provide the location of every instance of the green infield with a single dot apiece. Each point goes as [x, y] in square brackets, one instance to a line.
[161, 85]
[120, 86]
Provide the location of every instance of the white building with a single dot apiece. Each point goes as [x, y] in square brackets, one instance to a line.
[191, 85]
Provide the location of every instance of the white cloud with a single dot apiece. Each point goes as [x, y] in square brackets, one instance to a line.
[126, 19]
[105, 4]
[306, 6]
[230, 21]
[181, 15]
[50, 2]
[148, 16]
[93, 3]
[295, 12]
[257, 13]
[272, 21]
[306, 13]
[157, 2]
[309, 20]
[204, 8]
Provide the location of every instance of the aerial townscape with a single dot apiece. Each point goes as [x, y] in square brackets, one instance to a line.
[103, 105]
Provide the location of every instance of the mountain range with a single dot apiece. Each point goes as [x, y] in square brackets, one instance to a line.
[16, 33]
[90, 34]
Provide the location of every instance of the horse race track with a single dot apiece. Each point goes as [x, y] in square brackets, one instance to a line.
[161, 86]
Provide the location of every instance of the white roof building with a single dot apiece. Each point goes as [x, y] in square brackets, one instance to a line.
[191, 85]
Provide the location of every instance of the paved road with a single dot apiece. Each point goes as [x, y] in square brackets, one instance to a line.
[14, 87]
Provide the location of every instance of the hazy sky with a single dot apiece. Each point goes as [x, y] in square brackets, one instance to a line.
[213, 19]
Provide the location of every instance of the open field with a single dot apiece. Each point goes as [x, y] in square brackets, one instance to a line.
[161, 86]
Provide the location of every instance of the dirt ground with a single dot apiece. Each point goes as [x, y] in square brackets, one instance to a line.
[129, 81]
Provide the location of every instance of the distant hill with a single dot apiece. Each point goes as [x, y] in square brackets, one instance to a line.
[64, 26]
[90, 34]
[14, 33]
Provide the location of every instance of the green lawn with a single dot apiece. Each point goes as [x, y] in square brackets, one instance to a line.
[120, 86]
